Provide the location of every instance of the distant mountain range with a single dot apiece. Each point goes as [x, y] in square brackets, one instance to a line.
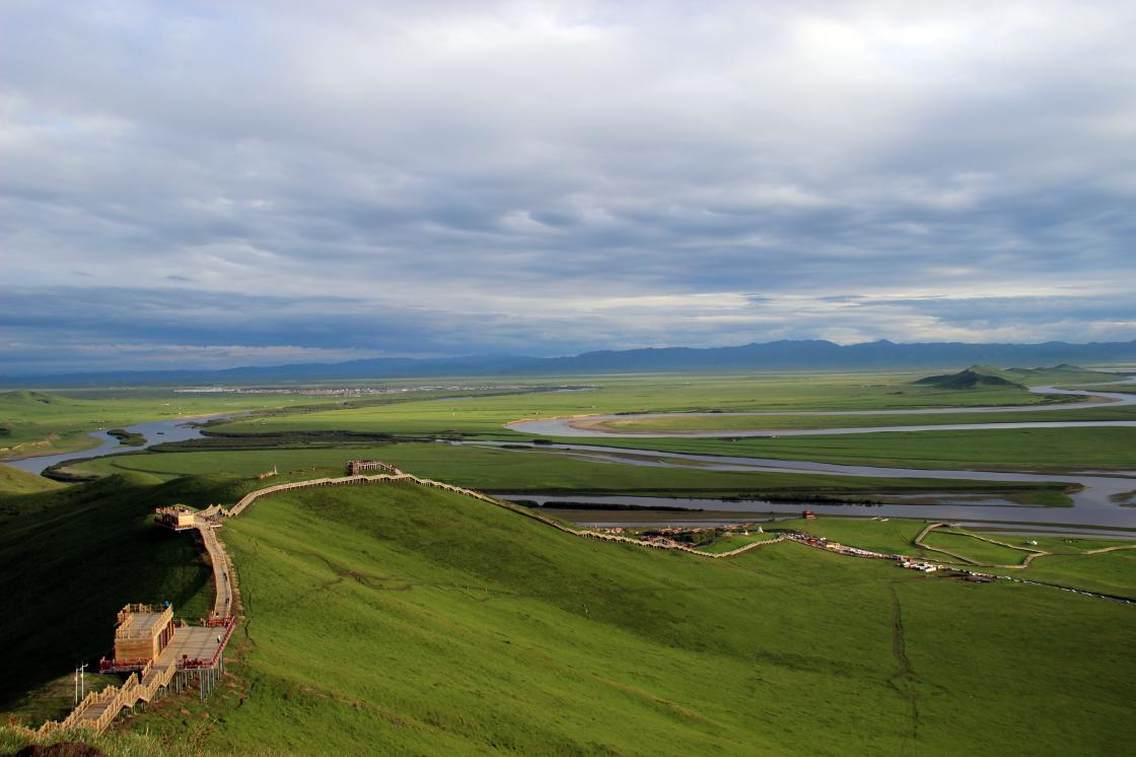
[807, 354]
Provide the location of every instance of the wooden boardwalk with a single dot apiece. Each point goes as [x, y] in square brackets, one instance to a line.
[99, 709]
[247, 500]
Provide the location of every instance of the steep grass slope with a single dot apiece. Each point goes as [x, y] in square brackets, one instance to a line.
[16, 481]
[70, 559]
[396, 619]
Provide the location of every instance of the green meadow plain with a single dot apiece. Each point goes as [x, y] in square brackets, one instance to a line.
[406, 620]
[44, 422]
[401, 619]
[311, 435]
[48, 422]
[727, 424]
[488, 415]
[1031, 449]
[1067, 564]
[963, 545]
[537, 471]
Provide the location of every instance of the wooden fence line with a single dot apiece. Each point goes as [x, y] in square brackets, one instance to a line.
[251, 497]
[99, 709]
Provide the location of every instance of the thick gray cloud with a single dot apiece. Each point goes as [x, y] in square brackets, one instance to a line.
[225, 183]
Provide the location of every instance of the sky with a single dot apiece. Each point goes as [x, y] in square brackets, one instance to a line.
[211, 184]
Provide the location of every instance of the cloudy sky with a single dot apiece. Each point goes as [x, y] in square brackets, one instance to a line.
[217, 183]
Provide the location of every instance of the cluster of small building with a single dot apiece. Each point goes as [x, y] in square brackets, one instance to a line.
[929, 567]
[903, 561]
[358, 467]
[919, 565]
[843, 549]
[924, 566]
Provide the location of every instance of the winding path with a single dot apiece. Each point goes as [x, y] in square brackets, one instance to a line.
[97, 711]
[381, 478]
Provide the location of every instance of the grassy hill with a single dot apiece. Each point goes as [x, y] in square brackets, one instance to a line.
[972, 378]
[70, 559]
[986, 376]
[1061, 374]
[16, 481]
[400, 619]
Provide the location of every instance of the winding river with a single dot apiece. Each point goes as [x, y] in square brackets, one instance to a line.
[584, 426]
[156, 432]
[1094, 504]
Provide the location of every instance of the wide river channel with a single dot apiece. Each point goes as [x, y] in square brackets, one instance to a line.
[1094, 504]
[156, 432]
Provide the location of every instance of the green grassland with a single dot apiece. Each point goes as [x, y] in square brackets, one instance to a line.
[70, 559]
[402, 620]
[1035, 449]
[890, 536]
[1050, 375]
[535, 471]
[1068, 564]
[46, 422]
[1111, 573]
[1122, 388]
[734, 540]
[726, 424]
[54, 699]
[16, 481]
[646, 393]
[41, 422]
[486, 416]
[976, 550]
[399, 619]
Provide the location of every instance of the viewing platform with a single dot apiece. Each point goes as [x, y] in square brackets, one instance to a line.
[176, 517]
[147, 635]
[356, 467]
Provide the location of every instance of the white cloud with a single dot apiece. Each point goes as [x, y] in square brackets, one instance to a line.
[600, 174]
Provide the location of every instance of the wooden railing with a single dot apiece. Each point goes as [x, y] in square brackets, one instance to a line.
[253, 496]
[222, 570]
[125, 628]
[99, 709]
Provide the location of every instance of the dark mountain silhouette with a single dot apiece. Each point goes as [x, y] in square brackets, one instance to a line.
[809, 354]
